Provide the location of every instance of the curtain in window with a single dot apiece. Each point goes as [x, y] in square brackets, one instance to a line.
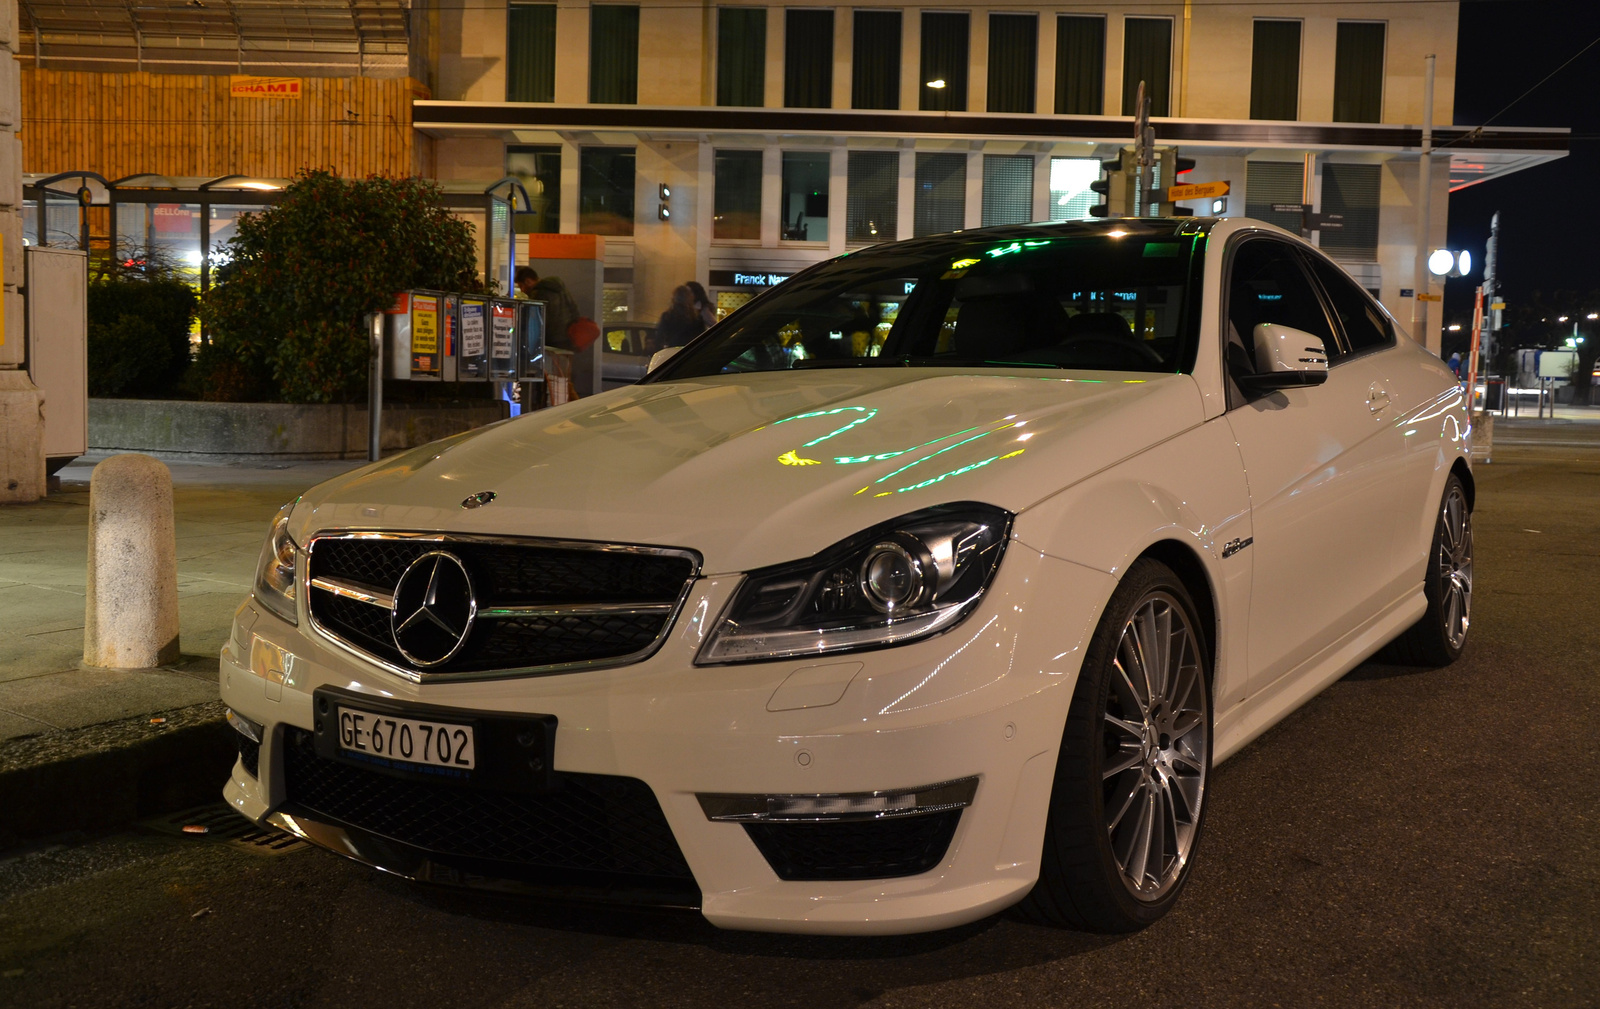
[742, 56]
[872, 196]
[1007, 189]
[1146, 56]
[808, 59]
[736, 202]
[605, 190]
[1080, 65]
[1013, 62]
[1352, 190]
[614, 54]
[1358, 73]
[940, 204]
[875, 67]
[944, 58]
[1275, 71]
[531, 53]
[1270, 182]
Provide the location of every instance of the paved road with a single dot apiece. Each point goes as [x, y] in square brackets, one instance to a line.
[1410, 838]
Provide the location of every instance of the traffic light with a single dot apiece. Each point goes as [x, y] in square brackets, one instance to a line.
[1168, 167]
[1117, 187]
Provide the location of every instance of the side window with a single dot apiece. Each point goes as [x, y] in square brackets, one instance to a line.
[1365, 328]
[1267, 284]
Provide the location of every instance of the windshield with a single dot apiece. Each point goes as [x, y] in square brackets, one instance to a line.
[1116, 300]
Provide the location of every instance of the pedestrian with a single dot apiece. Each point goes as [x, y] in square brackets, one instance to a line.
[1455, 363]
[681, 322]
[526, 280]
[702, 303]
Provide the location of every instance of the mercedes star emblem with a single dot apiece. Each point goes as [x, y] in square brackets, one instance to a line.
[478, 500]
[434, 609]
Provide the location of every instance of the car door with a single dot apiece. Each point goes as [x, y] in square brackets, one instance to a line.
[1311, 460]
[1407, 456]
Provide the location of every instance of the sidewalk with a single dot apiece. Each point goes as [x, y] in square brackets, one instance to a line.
[52, 708]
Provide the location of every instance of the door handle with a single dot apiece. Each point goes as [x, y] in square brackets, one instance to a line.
[1377, 398]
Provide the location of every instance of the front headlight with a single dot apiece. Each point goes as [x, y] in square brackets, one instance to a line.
[906, 579]
[275, 570]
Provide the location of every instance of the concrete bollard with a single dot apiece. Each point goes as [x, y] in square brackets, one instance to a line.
[131, 612]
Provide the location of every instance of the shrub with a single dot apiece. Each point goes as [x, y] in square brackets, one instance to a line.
[285, 310]
[138, 336]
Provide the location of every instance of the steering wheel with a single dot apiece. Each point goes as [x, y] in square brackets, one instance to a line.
[1143, 351]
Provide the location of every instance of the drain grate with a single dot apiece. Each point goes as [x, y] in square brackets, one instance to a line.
[224, 825]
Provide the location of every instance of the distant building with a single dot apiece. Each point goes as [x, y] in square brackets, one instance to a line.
[786, 134]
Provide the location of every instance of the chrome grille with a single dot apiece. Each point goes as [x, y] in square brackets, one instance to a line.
[541, 606]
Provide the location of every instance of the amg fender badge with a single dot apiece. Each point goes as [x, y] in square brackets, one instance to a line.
[478, 500]
[1234, 546]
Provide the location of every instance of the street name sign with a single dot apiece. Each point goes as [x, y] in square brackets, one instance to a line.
[1197, 191]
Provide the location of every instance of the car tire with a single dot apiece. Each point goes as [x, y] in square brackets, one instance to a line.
[1438, 638]
[1132, 757]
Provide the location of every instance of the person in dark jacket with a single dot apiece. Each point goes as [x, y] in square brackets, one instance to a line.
[681, 322]
[703, 303]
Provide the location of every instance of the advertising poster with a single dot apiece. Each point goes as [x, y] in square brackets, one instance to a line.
[425, 334]
[503, 345]
[472, 328]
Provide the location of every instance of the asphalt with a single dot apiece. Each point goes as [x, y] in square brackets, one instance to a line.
[1410, 837]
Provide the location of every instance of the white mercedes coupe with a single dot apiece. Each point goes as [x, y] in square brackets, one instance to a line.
[933, 581]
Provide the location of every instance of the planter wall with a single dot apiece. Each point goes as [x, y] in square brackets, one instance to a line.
[177, 429]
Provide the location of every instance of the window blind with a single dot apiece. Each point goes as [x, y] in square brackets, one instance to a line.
[741, 56]
[1358, 72]
[1080, 65]
[944, 58]
[1146, 56]
[1013, 62]
[875, 63]
[1270, 182]
[614, 54]
[1007, 189]
[940, 203]
[1275, 70]
[808, 59]
[1352, 190]
[531, 53]
[872, 200]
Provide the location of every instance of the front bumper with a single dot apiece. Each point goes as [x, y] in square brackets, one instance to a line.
[986, 699]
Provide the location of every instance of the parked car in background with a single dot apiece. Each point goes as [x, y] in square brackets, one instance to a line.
[933, 581]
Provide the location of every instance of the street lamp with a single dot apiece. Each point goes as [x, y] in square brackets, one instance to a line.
[1446, 263]
[936, 84]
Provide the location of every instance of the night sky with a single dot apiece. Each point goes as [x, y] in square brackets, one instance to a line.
[1549, 215]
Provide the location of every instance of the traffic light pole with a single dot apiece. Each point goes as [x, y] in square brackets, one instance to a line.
[1419, 304]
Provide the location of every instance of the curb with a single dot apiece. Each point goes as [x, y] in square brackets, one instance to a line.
[114, 773]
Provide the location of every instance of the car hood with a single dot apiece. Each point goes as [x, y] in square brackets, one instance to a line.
[751, 470]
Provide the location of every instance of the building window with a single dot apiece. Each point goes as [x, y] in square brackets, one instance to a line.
[614, 54]
[1358, 73]
[1007, 189]
[1013, 62]
[1275, 71]
[805, 196]
[875, 66]
[605, 191]
[944, 62]
[1352, 190]
[940, 204]
[808, 59]
[531, 53]
[872, 196]
[1080, 65]
[1070, 195]
[539, 170]
[742, 56]
[1146, 56]
[736, 203]
[1274, 182]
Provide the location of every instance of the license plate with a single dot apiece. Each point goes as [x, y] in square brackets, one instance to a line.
[408, 740]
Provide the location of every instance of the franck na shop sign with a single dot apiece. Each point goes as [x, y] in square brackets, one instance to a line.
[264, 87]
[739, 278]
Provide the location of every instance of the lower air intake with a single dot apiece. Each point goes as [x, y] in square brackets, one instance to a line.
[857, 849]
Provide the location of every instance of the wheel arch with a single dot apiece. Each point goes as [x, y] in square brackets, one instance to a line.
[1187, 564]
[1463, 472]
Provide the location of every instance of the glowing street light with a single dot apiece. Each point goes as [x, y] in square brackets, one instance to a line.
[936, 84]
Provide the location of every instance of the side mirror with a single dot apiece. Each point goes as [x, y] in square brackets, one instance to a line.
[1286, 358]
[660, 357]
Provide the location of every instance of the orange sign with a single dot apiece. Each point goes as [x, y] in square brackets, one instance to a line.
[566, 247]
[1198, 191]
[264, 87]
[1430, 297]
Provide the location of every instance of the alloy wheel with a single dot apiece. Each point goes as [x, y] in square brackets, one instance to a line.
[1455, 566]
[1156, 747]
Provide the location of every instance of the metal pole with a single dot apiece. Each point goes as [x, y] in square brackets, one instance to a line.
[375, 388]
[1419, 305]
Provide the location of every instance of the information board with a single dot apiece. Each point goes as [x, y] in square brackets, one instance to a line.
[472, 360]
[425, 336]
[503, 339]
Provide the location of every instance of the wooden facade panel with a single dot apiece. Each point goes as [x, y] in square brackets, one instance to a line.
[191, 126]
